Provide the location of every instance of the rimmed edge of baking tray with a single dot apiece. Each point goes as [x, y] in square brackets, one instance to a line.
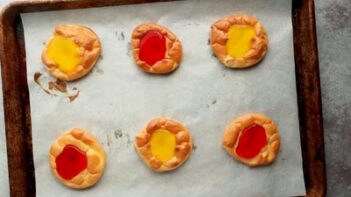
[17, 106]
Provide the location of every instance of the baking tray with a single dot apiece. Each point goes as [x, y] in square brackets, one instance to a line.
[17, 106]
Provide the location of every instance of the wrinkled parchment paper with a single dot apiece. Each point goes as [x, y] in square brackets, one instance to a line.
[117, 99]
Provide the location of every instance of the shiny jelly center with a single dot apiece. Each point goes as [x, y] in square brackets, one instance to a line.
[71, 162]
[163, 145]
[152, 47]
[64, 52]
[239, 40]
[251, 141]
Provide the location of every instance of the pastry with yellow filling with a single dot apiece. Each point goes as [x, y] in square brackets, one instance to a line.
[163, 144]
[239, 41]
[156, 49]
[252, 139]
[71, 52]
[77, 159]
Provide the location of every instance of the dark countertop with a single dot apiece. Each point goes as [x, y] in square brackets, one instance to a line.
[333, 19]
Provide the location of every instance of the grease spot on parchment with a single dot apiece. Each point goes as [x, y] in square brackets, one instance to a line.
[195, 24]
[129, 49]
[108, 140]
[212, 103]
[120, 35]
[98, 69]
[120, 135]
[194, 147]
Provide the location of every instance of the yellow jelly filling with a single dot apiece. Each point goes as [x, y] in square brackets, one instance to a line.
[239, 40]
[163, 144]
[64, 52]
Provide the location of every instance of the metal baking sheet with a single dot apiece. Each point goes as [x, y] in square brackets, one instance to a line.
[116, 100]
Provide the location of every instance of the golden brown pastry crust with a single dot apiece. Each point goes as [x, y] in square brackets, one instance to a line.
[90, 51]
[94, 152]
[182, 150]
[267, 154]
[173, 49]
[219, 39]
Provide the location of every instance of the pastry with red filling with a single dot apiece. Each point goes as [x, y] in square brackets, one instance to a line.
[252, 139]
[77, 159]
[163, 144]
[239, 41]
[156, 49]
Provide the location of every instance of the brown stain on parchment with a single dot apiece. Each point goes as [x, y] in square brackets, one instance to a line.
[37, 76]
[56, 86]
[73, 97]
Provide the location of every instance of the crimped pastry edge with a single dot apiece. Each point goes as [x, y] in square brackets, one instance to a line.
[95, 155]
[174, 49]
[183, 144]
[219, 38]
[233, 131]
[89, 44]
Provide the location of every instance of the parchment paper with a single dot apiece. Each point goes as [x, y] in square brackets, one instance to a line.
[117, 99]
[4, 181]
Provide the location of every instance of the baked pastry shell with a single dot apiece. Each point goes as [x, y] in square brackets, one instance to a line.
[173, 54]
[94, 152]
[90, 50]
[233, 132]
[183, 147]
[218, 40]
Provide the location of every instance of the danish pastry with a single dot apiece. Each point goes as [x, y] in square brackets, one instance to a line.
[71, 52]
[252, 139]
[77, 159]
[239, 41]
[163, 144]
[156, 49]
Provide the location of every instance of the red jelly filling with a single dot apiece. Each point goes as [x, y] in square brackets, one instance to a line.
[251, 141]
[152, 47]
[71, 162]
